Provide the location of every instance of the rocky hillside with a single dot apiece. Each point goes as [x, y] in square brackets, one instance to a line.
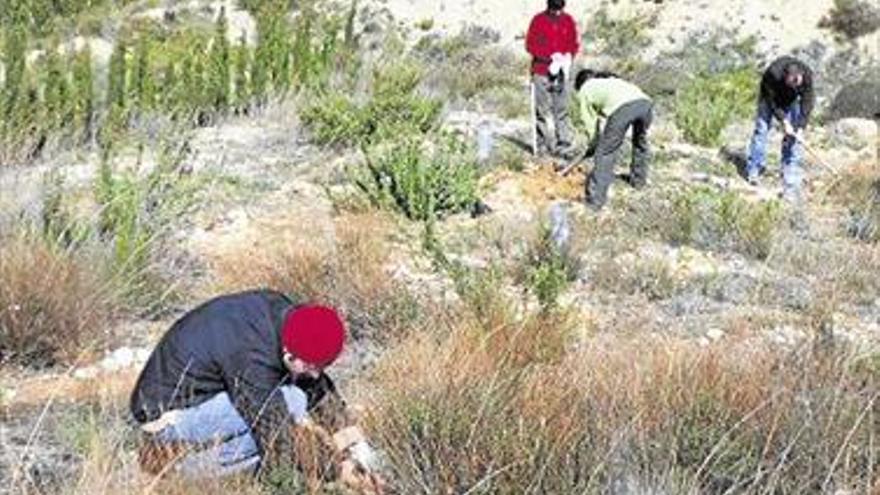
[697, 336]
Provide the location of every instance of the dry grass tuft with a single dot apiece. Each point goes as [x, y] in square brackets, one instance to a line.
[648, 412]
[347, 269]
[858, 190]
[52, 301]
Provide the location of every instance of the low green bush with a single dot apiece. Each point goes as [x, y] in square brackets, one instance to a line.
[393, 109]
[547, 270]
[709, 102]
[421, 183]
[721, 221]
[620, 37]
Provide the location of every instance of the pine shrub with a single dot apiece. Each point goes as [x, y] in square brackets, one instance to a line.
[422, 184]
[218, 78]
[83, 93]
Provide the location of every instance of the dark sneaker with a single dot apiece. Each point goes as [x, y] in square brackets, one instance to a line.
[637, 183]
[479, 209]
[594, 207]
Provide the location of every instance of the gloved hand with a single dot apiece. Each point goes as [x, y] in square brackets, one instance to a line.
[360, 468]
[560, 62]
[353, 476]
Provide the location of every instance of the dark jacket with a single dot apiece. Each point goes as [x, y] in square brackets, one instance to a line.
[232, 344]
[777, 94]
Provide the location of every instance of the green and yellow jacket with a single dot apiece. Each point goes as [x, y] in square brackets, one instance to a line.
[600, 97]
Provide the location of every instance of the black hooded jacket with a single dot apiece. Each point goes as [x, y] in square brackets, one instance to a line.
[779, 96]
[231, 343]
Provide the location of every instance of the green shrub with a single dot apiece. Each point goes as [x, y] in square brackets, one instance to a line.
[142, 88]
[421, 184]
[218, 78]
[83, 89]
[316, 45]
[708, 103]
[135, 214]
[722, 220]
[393, 109]
[547, 270]
[121, 198]
[56, 101]
[275, 49]
[15, 44]
[619, 37]
[241, 95]
[116, 86]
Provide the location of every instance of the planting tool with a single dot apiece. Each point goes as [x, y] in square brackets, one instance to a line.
[565, 170]
[816, 156]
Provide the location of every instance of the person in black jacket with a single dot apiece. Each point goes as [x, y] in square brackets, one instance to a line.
[786, 94]
[232, 377]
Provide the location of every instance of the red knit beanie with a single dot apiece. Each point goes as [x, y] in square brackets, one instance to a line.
[314, 334]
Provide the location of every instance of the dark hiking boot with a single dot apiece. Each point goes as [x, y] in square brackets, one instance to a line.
[479, 209]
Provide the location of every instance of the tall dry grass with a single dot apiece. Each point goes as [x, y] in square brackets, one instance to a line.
[53, 301]
[347, 268]
[648, 415]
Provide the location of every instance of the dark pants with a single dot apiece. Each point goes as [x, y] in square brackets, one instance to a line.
[639, 115]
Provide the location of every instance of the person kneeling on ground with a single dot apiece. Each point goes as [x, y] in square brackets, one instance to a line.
[786, 93]
[620, 104]
[232, 382]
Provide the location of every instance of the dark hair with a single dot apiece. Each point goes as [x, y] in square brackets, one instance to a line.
[795, 67]
[555, 4]
[586, 74]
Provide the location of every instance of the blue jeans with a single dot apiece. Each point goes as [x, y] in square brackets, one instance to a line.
[792, 151]
[216, 422]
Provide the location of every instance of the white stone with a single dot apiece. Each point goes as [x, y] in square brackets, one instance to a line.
[86, 373]
[119, 359]
[715, 334]
[141, 355]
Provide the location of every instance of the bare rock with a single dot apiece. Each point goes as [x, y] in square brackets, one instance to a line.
[860, 99]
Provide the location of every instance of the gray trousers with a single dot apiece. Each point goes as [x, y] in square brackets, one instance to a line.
[638, 115]
[551, 100]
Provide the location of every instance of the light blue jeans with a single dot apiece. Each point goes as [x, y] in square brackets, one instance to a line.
[216, 421]
[792, 151]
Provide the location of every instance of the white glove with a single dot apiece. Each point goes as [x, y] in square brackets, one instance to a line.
[560, 62]
[365, 456]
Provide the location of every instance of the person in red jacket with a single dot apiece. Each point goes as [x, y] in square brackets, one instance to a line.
[552, 41]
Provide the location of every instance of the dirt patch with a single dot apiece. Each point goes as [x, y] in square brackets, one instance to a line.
[543, 185]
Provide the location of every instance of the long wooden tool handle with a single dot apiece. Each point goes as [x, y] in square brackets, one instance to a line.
[816, 156]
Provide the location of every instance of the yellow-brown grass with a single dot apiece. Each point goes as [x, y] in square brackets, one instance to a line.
[53, 302]
[348, 269]
[455, 414]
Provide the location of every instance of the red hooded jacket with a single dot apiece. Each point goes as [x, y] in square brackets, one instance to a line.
[549, 34]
